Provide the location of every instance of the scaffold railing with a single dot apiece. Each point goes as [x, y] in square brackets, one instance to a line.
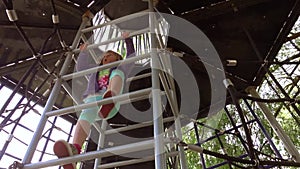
[249, 158]
[159, 141]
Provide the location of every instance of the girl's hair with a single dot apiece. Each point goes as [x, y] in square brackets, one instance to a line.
[112, 52]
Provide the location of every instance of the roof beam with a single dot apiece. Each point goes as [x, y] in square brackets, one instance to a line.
[219, 9]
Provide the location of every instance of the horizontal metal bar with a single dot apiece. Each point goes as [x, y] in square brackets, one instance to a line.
[143, 97]
[112, 40]
[118, 98]
[116, 21]
[133, 161]
[106, 66]
[135, 99]
[139, 77]
[135, 126]
[127, 162]
[129, 148]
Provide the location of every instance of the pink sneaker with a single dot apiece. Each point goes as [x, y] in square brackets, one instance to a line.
[64, 149]
[105, 109]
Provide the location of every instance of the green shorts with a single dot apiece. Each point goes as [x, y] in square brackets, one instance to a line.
[91, 114]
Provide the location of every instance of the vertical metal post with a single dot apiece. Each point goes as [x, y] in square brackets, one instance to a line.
[171, 96]
[288, 144]
[159, 150]
[183, 164]
[100, 142]
[52, 98]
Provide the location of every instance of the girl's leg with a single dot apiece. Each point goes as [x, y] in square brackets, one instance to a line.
[64, 149]
[82, 130]
[115, 87]
[115, 84]
[87, 117]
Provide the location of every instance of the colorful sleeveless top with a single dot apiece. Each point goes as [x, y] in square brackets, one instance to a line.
[103, 79]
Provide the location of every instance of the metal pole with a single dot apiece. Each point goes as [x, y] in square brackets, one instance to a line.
[100, 142]
[228, 84]
[8, 117]
[126, 163]
[116, 21]
[159, 150]
[199, 143]
[112, 40]
[229, 162]
[288, 144]
[106, 66]
[123, 149]
[48, 139]
[136, 126]
[100, 102]
[266, 69]
[132, 161]
[236, 129]
[52, 98]
[174, 106]
[283, 91]
[19, 85]
[263, 130]
[171, 95]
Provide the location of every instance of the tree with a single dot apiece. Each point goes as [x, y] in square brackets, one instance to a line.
[216, 133]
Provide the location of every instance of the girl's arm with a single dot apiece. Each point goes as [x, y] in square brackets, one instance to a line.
[83, 60]
[130, 52]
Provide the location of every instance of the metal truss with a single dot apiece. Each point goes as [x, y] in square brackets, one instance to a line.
[248, 114]
[241, 128]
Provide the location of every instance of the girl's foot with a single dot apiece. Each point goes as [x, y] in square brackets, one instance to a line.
[64, 149]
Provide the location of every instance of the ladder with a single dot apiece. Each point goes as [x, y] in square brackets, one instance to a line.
[159, 141]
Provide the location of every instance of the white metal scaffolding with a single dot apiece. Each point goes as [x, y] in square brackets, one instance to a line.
[158, 143]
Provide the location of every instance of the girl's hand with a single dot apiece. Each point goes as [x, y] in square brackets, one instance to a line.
[125, 35]
[83, 46]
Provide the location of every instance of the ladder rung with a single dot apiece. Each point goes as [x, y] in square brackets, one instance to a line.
[118, 98]
[136, 126]
[143, 97]
[116, 21]
[106, 66]
[133, 161]
[138, 77]
[92, 46]
[127, 162]
[123, 149]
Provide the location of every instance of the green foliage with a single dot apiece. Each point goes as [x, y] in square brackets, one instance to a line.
[288, 76]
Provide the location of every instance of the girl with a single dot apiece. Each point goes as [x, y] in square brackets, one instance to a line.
[102, 84]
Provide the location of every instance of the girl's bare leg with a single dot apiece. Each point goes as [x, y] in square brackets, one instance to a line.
[114, 88]
[115, 84]
[81, 132]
